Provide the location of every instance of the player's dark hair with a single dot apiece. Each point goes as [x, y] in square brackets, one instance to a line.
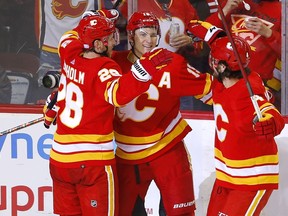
[232, 74]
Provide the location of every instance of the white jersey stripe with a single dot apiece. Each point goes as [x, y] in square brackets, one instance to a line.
[81, 147]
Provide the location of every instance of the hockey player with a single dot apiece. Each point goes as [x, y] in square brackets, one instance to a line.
[49, 110]
[149, 130]
[82, 161]
[246, 155]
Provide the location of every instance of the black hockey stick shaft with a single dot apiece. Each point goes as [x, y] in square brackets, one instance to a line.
[117, 3]
[229, 35]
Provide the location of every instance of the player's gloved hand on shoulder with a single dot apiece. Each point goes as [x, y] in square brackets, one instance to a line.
[205, 31]
[50, 110]
[145, 67]
[111, 14]
[265, 127]
[88, 13]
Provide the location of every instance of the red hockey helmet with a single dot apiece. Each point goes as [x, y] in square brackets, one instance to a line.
[222, 50]
[141, 20]
[94, 27]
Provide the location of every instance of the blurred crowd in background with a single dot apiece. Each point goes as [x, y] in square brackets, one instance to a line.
[27, 28]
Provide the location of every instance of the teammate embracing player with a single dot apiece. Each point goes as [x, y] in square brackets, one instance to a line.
[149, 130]
[82, 160]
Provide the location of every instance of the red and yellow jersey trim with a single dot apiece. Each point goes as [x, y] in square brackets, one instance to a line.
[260, 170]
[137, 148]
[251, 181]
[74, 138]
[73, 148]
[81, 157]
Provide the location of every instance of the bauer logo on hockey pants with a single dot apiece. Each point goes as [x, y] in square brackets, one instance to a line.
[184, 205]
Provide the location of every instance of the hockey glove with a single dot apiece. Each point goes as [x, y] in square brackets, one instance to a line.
[88, 13]
[265, 127]
[145, 67]
[205, 31]
[111, 14]
[50, 110]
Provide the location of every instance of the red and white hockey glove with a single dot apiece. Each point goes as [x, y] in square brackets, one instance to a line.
[205, 31]
[265, 128]
[145, 67]
[50, 110]
[111, 14]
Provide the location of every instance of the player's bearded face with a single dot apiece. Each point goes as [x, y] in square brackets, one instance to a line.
[145, 39]
[111, 42]
[219, 71]
[214, 65]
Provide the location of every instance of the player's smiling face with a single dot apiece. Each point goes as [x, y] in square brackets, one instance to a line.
[145, 39]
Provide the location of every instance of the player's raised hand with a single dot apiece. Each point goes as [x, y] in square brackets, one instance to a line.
[205, 31]
[157, 58]
[145, 67]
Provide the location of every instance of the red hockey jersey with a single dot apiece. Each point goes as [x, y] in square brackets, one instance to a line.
[151, 124]
[88, 92]
[243, 161]
[265, 51]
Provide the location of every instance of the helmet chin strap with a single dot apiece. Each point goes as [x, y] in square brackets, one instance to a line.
[133, 50]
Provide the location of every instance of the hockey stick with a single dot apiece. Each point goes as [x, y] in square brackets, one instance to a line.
[250, 90]
[35, 121]
[117, 3]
